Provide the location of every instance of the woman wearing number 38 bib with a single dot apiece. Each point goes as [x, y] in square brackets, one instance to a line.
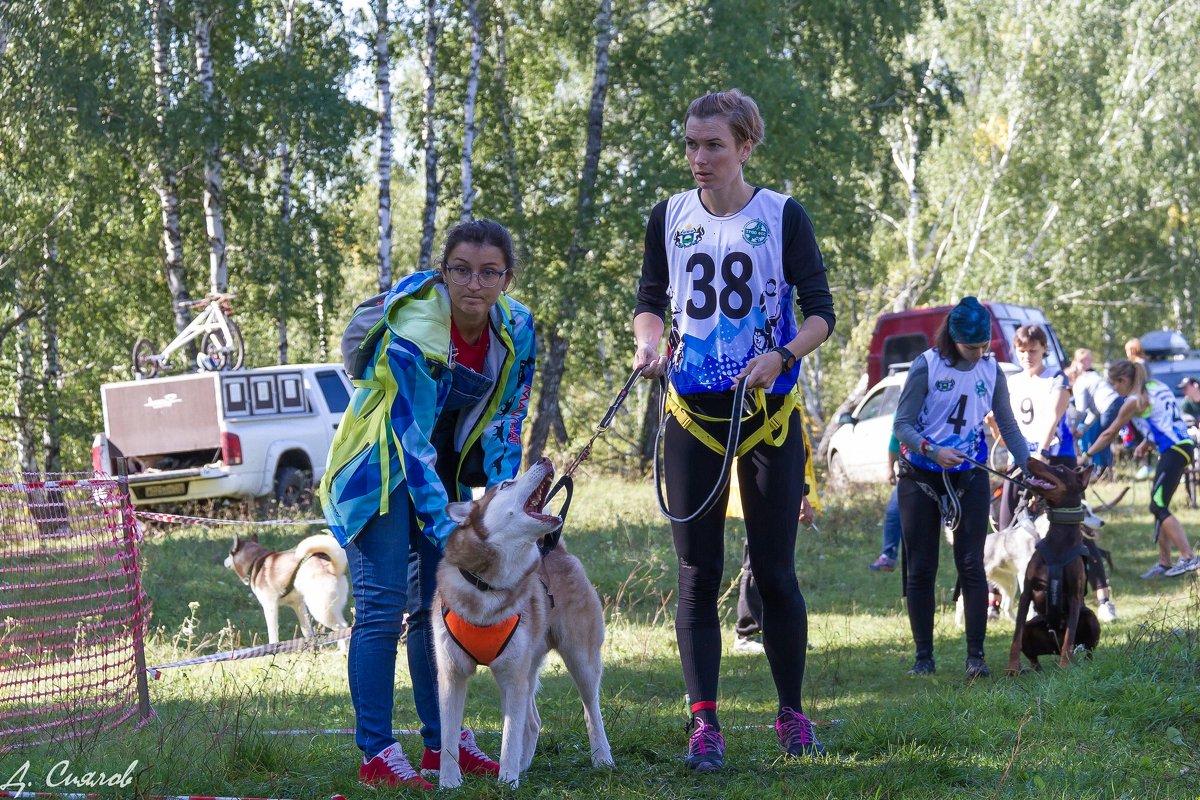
[939, 421]
[731, 262]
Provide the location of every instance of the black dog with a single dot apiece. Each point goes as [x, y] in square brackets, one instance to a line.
[1056, 578]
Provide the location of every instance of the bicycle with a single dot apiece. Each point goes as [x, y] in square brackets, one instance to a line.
[221, 345]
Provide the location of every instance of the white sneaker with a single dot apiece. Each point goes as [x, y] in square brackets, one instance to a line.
[748, 646]
[1143, 473]
[1183, 565]
[1107, 611]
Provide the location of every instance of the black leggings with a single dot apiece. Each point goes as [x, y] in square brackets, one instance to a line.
[921, 525]
[1172, 463]
[772, 480]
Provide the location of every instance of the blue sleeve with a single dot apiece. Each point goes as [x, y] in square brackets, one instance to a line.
[413, 414]
[501, 438]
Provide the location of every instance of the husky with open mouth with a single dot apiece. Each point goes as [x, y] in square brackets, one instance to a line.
[501, 604]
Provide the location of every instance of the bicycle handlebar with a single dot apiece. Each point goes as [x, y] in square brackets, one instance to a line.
[204, 302]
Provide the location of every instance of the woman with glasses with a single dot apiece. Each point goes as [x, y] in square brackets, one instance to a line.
[939, 421]
[438, 410]
[1150, 406]
[733, 263]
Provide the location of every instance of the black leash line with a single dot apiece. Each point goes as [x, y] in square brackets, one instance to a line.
[998, 473]
[566, 482]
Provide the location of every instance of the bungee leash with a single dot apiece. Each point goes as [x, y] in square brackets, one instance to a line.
[735, 431]
[567, 482]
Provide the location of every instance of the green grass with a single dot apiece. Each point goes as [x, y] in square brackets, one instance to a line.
[1124, 724]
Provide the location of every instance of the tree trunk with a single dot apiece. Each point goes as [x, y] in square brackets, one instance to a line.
[383, 90]
[23, 402]
[429, 217]
[218, 269]
[549, 412]
[167, 188]
[504, 107]
[51, 364]
[285, 192]
[468, 189]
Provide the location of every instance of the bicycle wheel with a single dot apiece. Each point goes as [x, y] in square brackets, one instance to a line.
[217, 354]
[143, 365]
[237, 352]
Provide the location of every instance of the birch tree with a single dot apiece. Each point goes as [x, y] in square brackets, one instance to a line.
[165, 177]
[218, 269]
[468, 189]
[383, 94]
[428, 135]
[553, 356]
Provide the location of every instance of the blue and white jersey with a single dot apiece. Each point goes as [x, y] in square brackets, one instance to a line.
[729, 300]
[955, 406]
[733, 286]
[1034, 401]
[1161, 422]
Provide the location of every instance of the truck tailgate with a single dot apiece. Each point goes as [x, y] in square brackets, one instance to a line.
[163, 416]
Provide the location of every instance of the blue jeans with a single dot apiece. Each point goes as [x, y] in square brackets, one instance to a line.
[393, 568]
[891, 525]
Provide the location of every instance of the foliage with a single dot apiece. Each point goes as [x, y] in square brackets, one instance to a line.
[1040, 153]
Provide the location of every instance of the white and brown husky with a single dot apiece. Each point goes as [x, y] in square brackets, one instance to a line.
[501, 603]
[309, 579]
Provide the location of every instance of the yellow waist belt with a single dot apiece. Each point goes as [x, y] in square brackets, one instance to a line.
[773, 430]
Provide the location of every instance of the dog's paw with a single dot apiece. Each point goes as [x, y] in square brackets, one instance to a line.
[512, 779]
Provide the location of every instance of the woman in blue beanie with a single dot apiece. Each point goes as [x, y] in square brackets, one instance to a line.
[939, 422]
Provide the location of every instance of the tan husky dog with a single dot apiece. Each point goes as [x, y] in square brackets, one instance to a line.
[310, 580]
[500, 603]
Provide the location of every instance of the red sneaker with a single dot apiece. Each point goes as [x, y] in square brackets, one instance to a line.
[471, 760]
[391, 768]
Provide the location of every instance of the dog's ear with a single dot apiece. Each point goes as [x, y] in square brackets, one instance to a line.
[237, 543]
[254, 537]
[1085, 475]
[458, 512]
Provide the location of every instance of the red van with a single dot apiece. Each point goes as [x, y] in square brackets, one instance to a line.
[902, 336]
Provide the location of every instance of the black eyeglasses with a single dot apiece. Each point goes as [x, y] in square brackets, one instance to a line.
[461, 276]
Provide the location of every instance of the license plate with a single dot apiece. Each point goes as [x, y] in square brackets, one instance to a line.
[163, 490]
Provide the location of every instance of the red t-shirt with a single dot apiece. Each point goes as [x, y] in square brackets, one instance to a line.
[471, 355]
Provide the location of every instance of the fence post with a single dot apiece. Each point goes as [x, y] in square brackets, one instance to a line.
[128, 524]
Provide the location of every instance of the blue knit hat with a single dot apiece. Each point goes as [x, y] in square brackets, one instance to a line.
[970, 322]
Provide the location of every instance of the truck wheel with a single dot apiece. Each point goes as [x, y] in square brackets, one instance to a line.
[293, 488]
[839, 479]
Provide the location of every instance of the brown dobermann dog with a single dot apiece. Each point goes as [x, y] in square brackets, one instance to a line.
[1056, 578]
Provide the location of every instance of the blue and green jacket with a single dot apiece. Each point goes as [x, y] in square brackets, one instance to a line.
[384, 437]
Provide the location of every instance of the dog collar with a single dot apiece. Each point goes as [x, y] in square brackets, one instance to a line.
[476, 581]
[1067, 516]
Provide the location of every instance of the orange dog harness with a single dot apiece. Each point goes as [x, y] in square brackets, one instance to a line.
[484, 643]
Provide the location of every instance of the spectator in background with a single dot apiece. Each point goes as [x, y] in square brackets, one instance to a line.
[1096, 405]
[1191, 399]
[891, 516]
[1137, 354]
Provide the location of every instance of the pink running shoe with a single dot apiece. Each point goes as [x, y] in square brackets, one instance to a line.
[706, 747]
[796, 735]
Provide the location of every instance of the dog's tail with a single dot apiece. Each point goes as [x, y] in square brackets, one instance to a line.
[326, 545]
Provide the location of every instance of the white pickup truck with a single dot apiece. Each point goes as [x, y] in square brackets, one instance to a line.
[257, 433]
